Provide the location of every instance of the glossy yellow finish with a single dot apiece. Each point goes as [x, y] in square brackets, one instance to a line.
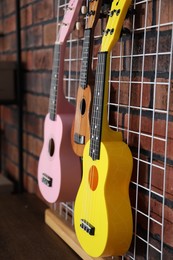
[105, 204]
[108, 207]
[115, 22]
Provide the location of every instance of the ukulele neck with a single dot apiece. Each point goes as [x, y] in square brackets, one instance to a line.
[86, 58]
[57, 96]
[99, 108]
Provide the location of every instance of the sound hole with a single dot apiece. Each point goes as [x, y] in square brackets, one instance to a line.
[93, 178]
[82, 106]
[51, 147]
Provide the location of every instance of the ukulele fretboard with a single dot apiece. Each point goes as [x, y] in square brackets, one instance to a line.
[54, 83]
[85, 58]
[97, 108]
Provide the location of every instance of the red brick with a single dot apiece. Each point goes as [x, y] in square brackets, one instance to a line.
[123, 89]
[161, 96]
[118, 64]
[9, 6]
[49, 34]
[33, 124]
[170, 149]
[140, 16]
[159, 147]
[37, 104]
[146, 125]
[10, 115]
[169, 182]
[171, 96]
[10, 42]
[167, 6]
[30, 164]
[1, 47]
[155, 229]
[27, 59]
[38, 82]
[25, 2]
[42, 59]
[33, 82]
[34, 36]
[134, 122]
[30, 184]
[46, 82]
[157, 178]
[26, 16]
[43, 11]
[11, 152]
[10, 24]
[113, 119]
[11, 134]
[32, 145]
[168, 231]
[1, 26]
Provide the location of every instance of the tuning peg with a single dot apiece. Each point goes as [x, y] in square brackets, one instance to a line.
[91, 12]
[84, 9]
[124, 31]
[130, 12]
[78, 26]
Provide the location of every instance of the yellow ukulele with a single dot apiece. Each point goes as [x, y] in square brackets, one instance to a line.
[102, 213]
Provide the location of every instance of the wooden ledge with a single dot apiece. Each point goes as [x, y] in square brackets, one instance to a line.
[63, 229]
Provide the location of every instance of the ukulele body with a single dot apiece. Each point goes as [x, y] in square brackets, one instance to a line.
[103, 201]
[59, 170]
[80, 132]
[63, 166]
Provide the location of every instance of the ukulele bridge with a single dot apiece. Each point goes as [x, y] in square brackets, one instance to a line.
[47, 180]
[79, 139]
[86, 226]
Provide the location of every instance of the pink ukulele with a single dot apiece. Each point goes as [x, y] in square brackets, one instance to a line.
[59, 169]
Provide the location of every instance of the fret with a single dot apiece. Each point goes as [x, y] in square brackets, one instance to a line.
[52, 103]
[97, 109]
[54, 83]
[85, 58]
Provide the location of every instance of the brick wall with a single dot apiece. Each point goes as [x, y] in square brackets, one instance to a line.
[38, 26]
[38, 23]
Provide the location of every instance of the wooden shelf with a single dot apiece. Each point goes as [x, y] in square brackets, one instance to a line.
[63, 229]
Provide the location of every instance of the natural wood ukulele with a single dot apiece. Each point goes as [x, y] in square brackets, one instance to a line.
[102, 213]
[59, 170]
[80, 132]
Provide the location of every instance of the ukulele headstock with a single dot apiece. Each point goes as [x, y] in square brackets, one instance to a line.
[68, 22]
[114, 25]
[93, 13]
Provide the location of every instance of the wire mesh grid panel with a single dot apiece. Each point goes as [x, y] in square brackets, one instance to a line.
[140, 105]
